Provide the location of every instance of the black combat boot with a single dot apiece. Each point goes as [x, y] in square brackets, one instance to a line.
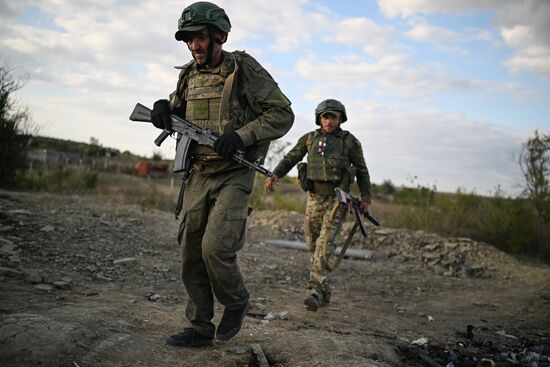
[312, 302]
[231, 322]
[189, 338]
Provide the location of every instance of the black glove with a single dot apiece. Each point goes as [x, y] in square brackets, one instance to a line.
[227, 144]
[160, 116]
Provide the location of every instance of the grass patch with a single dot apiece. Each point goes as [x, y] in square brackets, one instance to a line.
[57, 180]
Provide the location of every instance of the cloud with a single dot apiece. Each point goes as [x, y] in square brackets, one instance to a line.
[524, 25]
[286, 25]
[431, 33]
[407, 8]
[374, 39]
[395, 75]
[448, 150]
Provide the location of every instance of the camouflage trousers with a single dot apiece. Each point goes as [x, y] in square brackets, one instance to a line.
[215, 208]
[322, 224]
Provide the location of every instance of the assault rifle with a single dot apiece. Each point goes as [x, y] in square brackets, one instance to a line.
[354, 205]
[191, 132]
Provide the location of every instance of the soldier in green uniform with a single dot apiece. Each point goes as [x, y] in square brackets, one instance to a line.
[334, 159]
[231, 94]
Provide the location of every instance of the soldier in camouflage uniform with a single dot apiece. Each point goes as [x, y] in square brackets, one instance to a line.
[231, 94]
[334, 158]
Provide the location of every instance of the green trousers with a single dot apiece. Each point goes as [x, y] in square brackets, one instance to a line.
[212, 230]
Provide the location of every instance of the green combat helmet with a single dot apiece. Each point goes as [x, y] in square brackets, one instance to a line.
[330, 105]
[199, 15]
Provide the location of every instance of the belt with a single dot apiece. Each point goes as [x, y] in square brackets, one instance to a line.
[324, 187]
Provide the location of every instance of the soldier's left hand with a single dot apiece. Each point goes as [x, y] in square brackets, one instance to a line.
[227, 144]
[364, 207]
[270, 181]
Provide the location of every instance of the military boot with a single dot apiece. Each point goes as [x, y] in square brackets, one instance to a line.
[189, 338]
[231, 322]
[313, 301]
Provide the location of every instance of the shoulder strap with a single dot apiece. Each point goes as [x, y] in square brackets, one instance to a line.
[226, 93]
[182, 80]
[309, 140]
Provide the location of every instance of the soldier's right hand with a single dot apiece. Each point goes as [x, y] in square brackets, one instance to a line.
[268, 184]
[160, 115]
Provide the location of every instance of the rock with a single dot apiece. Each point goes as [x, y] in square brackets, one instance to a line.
[420, 342]
[14, 262]
[269, 317]
[9, 272]
[153, 296]
[505, 335]
[4, 242]
[90, 292]
[62, 285]
[20, 211]
[100, 276]
[49, 278]
[451, 245]
[31, 276]
[31, 340]
[6, 229]
[44, 287]
[47, 229]
[125, 260]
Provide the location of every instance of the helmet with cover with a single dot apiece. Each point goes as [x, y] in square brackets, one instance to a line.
[330, 106]
[200, 15]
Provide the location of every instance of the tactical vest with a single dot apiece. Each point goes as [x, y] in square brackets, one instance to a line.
[204, 93]
[241, 107]
[327, 156]
[203, 96]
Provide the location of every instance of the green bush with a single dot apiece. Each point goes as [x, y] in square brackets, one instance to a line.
[57, 180]
[509, 224]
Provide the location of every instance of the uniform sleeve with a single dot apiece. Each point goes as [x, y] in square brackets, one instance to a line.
[274, 115]
[362, 172]
[294, 156]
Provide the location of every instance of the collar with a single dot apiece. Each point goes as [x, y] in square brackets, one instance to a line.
[224, 68]
[338, 132]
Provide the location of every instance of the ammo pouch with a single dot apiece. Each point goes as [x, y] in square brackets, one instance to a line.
[305, 183]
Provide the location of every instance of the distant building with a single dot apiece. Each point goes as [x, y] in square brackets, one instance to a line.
[152, 169]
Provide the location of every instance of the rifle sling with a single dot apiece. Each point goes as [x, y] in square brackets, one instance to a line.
[226, 93]
[179, 203]
[331, 268]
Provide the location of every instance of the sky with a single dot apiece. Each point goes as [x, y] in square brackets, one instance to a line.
[440, 93]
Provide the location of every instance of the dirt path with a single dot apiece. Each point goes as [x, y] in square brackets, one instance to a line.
[87, 283]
